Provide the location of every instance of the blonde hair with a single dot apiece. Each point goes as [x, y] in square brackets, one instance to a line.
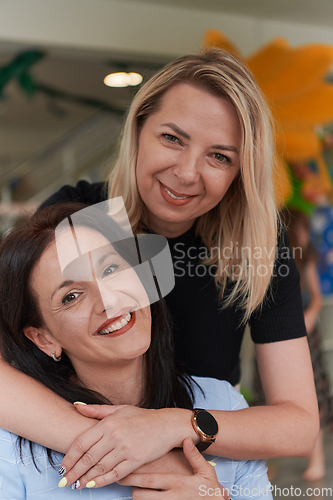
[246, 217]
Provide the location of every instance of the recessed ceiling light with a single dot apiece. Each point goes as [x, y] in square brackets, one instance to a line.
[123, 79]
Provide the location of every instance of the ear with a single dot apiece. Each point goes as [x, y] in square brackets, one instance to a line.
[43, 339]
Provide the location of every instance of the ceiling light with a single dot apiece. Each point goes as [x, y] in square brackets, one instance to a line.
[123, 79]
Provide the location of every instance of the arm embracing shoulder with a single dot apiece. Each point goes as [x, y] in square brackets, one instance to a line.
[32, 411]
[11, 484]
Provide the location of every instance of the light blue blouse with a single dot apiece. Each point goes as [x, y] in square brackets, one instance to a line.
[18, 481]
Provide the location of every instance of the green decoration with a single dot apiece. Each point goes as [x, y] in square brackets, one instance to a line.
[296, 201]
[246, 393]
[18, 69]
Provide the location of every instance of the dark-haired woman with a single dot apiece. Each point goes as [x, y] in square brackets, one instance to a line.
[80, 323]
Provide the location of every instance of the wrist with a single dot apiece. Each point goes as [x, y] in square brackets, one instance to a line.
[183, 424]
[177, 422]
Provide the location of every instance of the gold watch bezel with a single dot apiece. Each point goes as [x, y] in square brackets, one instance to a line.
[205, 438]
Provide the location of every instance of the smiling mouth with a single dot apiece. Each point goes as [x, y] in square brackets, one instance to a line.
[118, 326]
[174, 195]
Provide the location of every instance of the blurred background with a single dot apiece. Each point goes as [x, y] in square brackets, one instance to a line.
[59, 121]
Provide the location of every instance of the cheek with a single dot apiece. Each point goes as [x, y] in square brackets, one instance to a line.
[152, 159]
[138, 291]
[144, 327]
[216, 186]
[70, 328]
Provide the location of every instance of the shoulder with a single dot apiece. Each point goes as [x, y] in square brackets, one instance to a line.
[281, 315]
[217, 395]
[83, 192]
[11, 483]
[7, 447]
[10, 451]
[19, 479]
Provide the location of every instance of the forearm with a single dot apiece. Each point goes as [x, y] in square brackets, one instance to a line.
[31, 410]
[266, 432]
[260, 432]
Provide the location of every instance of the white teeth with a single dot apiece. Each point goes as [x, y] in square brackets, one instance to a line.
[174, 196]
[116, 326]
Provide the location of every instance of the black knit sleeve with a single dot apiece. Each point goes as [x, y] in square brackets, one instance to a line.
[281, 316]
[83, 192]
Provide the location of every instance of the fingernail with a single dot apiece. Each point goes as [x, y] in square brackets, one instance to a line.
[79, 403]
[62, 471]
[91, 484]
[62, 482]
[191, 444]
[211, 463]
[76, 485]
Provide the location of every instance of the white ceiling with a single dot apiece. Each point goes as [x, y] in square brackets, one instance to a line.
[318, 12]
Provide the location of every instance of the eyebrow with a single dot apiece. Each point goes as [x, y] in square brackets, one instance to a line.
[70, 282]
[184, 134]
[102, 259]
[62, 285]
[177, 130]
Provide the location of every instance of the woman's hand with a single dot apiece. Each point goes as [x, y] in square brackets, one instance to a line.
[126, 438]
[177, 486]
[174, 462]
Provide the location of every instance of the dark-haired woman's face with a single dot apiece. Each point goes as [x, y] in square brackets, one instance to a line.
[188, 157]
[105, 321]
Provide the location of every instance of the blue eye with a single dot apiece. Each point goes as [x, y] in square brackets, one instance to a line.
[70, 297]
[110, 269]
[171, 138]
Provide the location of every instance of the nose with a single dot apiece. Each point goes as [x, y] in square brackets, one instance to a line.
[188, 168]
[107, 299]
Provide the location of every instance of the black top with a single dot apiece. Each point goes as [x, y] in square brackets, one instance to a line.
[208, 338]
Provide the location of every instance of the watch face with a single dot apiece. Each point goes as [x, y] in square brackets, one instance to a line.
[207, 423]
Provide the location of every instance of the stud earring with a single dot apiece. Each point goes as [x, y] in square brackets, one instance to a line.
[54, 357]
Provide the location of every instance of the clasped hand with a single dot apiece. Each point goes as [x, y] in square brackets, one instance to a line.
[126, 438]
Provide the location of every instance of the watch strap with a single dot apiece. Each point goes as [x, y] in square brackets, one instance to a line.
[203, 445]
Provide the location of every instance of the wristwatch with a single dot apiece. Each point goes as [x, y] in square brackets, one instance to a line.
[205, 426]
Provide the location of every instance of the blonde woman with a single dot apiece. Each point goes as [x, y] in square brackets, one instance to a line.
[195, 165]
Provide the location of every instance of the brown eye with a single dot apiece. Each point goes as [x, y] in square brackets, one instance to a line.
[220, 157]
[70, 297]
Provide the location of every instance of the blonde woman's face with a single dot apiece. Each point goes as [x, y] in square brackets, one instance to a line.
[188, 157]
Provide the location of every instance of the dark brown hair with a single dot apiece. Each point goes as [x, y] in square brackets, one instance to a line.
[166, 384]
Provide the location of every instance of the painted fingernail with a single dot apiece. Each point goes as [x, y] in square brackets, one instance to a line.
[62, 482]
[79, 403]
[91, 484]
[76, 485]
[211, 463]
[62, 471]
